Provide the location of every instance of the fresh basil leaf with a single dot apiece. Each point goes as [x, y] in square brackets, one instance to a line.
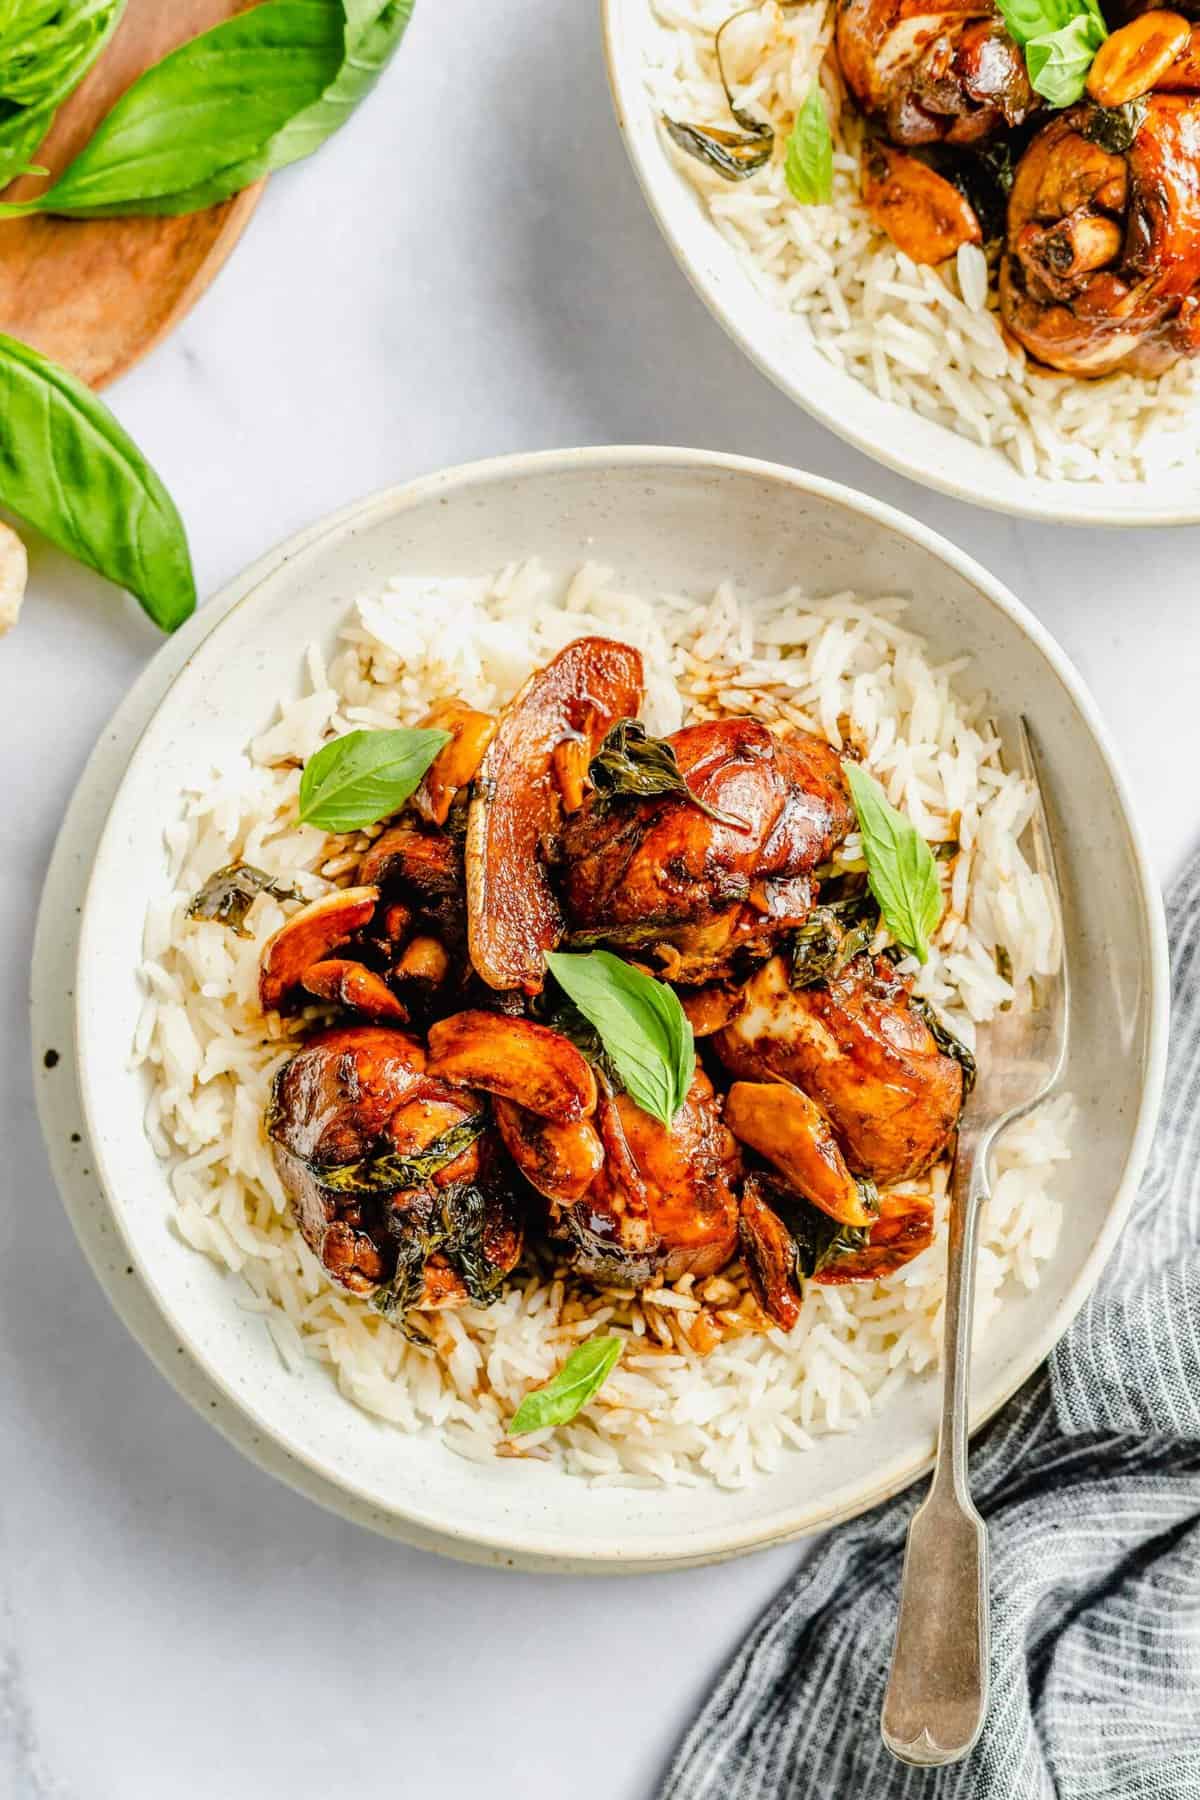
[1026, 19]
[578, 1381]
[46, 49]
[250, 96]
[373, 31]
[1059, 62]
[641, 1024]
[808, 160]
[1060, 39]
[67, 468]
[900, 865]
[365, 776]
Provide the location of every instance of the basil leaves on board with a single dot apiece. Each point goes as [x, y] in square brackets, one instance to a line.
[46, 49]
[640, 1022]
[365, 776]
[1060, 39]
[900, 865]
[68, 469]
[252, 95]
[578, 1381]
[808, 160]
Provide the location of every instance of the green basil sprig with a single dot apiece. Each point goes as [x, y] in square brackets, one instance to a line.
[900, 865]
[365, 776]
[808, 160]
[641, 1024]
[1060, 39]
[68, 469]
[263, 90]
[578, 1381]
[46, 49]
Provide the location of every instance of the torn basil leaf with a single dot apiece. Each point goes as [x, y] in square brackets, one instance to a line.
[579, 1380]
[228, 895]
[818, 1240]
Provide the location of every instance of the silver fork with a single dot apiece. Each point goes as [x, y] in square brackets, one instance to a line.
[937, 1692]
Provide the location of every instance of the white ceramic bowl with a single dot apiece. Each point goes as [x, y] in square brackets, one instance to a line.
[782, 347]
[662, 518]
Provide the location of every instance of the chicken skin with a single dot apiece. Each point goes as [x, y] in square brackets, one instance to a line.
[855, 1047]
[1102, 264]
[698, 896]
[933, 72]
[388, 1169]
[631, 1198]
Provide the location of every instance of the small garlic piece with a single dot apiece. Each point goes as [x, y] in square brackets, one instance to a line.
[14, 572]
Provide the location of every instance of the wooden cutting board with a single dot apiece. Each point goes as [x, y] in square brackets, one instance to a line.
[96, 294]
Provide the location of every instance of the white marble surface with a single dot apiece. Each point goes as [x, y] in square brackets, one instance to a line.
[170, 1620]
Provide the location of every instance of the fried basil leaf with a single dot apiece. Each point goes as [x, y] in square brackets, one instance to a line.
[228, 895]
[390, 1170]
[631, 766]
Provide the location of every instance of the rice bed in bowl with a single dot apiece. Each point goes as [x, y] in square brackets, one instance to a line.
[921, 337]
[704, 1389]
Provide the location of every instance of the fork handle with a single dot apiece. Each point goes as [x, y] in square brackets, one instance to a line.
[937, 1692]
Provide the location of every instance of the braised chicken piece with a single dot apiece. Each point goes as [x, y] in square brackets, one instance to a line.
[701, 891]
[856, 1048]
[632, 1198]
[1102, 264]
[420, 870]
[933, 73]
[664, 1201]
[781, 1250]
[389, 1170]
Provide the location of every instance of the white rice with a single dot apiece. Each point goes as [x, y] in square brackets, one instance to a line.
[921, 337]
[837, 665]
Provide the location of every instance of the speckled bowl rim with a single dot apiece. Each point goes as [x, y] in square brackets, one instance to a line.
[603, 1555]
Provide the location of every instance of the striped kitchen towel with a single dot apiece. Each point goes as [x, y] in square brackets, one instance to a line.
[1090, 1484]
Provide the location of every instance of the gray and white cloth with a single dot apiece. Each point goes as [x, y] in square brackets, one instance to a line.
[1090, 1483]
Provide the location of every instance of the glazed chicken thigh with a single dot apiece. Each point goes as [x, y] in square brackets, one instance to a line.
[697, 895]
[354, 1121]
[629, 1197]
[933, 73]
[1102, 263]
[854, 1045]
